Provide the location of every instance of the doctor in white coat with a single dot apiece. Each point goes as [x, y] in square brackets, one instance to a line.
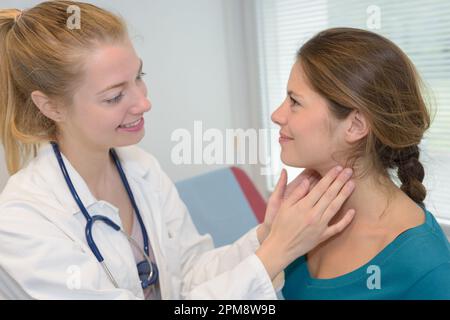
[72, 104]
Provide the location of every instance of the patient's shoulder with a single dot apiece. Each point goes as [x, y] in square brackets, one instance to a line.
[421, 248]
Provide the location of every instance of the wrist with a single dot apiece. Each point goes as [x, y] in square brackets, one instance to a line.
[262, 231]
[272, 258]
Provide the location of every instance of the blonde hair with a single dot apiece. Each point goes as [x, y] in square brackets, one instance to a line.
[38, 51]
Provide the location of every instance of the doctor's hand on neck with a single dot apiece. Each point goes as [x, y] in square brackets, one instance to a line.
[302, 220]
[280, 194]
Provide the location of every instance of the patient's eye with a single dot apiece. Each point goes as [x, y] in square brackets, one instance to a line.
[294, 102]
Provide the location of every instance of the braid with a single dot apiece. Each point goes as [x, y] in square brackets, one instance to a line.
[411, 173]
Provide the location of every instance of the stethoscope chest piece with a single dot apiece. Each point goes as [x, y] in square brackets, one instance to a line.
[148, 273]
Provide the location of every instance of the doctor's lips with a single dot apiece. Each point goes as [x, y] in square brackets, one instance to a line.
[133, 126]
[284, 138]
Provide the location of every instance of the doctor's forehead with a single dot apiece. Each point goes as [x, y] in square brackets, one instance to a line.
[110, 64]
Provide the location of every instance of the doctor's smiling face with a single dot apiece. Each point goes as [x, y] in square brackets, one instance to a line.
[310, 136]
[109, 102]
[109, 105]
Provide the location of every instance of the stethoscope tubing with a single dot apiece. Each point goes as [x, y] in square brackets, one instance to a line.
[90, 220]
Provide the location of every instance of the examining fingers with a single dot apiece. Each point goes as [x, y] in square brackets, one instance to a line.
[339, 226]
[322, 186]
[337, 203]
[298, 193]
[302, 222]
[305, 174]
[281, 185]
[330, 195]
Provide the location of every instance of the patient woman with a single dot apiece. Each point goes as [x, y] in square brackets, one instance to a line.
[354, 98]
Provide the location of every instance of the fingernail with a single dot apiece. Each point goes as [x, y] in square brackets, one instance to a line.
[348, 172]
[350, 185]
[339, 168]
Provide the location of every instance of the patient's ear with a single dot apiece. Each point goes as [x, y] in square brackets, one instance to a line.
[357, 127]
[47, 106]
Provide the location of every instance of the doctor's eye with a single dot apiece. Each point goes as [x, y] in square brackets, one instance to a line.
[116, 99]
[141, 75]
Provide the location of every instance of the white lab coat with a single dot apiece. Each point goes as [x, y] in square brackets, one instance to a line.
[44, 249]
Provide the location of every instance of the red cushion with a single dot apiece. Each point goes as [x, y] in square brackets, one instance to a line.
[254, 198]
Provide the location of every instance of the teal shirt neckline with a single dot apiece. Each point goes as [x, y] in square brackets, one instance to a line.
[415, 265]
[379, 259]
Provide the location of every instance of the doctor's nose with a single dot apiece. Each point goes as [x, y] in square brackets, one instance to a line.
[142, 104]
[146, 104]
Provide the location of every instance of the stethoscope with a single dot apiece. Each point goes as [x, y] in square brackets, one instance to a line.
[147, 270]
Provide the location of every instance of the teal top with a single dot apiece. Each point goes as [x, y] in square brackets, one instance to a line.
[415, 265]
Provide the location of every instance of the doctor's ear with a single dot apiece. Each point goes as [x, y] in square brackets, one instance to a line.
[47, 106]
[357, 127]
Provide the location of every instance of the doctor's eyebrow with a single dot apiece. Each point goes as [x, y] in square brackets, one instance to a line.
[123, 83]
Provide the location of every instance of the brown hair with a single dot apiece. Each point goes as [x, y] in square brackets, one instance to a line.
[38, 51]
[358, 69]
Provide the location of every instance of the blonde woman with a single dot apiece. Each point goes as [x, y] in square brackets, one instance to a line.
[88, 215]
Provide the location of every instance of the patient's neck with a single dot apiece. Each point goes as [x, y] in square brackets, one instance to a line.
[371, 198]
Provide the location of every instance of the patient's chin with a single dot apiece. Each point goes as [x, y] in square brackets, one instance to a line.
[292, 162]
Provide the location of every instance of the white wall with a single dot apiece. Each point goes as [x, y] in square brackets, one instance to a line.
[198, 68]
